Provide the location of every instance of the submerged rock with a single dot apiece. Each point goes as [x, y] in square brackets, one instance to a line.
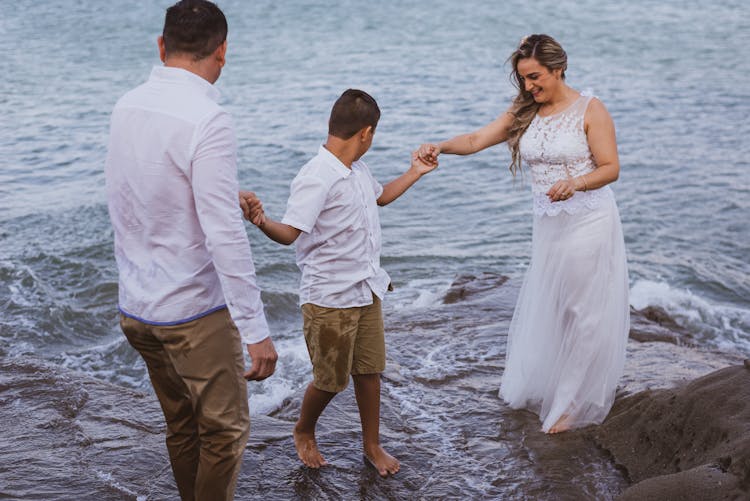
[654, 324]
[466, 286]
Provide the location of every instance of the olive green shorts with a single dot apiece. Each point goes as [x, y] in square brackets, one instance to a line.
[344, 341]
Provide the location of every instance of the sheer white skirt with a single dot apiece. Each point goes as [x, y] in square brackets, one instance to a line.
[567, 339]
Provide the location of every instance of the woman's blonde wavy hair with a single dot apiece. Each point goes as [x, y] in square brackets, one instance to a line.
[549, 54]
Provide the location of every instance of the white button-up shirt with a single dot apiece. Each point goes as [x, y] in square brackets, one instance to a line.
[338, 250]
[180, 244]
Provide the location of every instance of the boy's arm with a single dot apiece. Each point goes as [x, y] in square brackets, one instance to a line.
[278, 232]
[398, 186]
[253, 210]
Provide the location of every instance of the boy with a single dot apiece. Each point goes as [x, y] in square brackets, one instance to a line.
[332, 216]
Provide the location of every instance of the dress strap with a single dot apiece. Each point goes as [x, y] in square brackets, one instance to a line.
[580, 107]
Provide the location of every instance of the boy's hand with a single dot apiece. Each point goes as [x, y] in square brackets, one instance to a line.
[252, 208]
[421, 166]
[428, 153]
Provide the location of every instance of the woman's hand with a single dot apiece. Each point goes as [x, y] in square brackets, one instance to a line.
[562, 190]
[428, 153]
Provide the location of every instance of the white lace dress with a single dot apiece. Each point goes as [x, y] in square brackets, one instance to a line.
[566, 343]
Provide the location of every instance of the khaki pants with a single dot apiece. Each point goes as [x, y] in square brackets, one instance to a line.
[196, 369]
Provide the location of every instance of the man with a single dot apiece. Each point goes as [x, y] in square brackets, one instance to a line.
[187, 291]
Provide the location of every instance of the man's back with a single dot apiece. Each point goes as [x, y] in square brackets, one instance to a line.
[171, 182]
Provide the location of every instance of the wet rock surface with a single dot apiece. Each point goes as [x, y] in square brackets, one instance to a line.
[690, 442]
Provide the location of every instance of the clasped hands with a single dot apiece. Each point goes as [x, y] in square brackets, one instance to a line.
[252, 208]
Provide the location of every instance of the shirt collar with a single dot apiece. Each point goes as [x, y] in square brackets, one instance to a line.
[332, 161]
[180, 75]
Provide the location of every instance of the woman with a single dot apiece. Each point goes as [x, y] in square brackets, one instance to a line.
[566, 343]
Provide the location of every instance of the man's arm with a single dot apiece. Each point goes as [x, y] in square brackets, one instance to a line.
[215, 188]
[398, 186]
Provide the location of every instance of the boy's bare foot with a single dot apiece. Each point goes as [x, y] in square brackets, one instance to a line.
[382, 461]
[307, 449]
[561, 425]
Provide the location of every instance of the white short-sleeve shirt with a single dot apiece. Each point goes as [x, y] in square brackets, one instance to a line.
[338, 251]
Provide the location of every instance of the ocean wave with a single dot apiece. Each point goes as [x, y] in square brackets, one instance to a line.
[722, 326]
[52, 302]
[293, 372]
[419, 293]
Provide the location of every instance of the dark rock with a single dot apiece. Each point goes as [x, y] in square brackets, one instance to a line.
[691, 442]
[465, 286]
[654, 324]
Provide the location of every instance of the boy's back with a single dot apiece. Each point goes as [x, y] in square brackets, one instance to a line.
[338, 251]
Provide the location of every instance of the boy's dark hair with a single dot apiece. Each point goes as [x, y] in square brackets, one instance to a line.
[351, 112]
[195, 27]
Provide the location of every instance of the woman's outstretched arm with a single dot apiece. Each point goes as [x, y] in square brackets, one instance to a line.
[491, 134]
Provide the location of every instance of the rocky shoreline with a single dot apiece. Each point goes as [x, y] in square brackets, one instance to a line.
[679, 429]
[689, 442]
[686, 434]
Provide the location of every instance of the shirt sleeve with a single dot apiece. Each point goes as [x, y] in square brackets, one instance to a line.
[216, 194]
[377, 188]
[306, 201]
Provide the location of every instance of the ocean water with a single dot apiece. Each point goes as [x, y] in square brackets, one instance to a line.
[672, 74]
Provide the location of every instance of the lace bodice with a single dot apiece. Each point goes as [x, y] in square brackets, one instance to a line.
[554, 148]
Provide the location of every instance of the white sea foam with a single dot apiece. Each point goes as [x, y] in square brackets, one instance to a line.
[420, 293]
[109, 480]
[271, 398]
[726, 326]
[110, 361]
[292, 373]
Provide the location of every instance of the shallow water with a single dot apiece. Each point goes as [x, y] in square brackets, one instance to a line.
[669, 73]
[441, 417]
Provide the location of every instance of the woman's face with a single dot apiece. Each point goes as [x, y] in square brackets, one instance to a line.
[537, 79]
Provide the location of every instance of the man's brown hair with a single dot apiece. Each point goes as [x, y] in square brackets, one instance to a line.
[195, 27]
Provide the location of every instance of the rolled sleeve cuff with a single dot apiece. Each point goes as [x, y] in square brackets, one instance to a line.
[305, 228]
[254, 330]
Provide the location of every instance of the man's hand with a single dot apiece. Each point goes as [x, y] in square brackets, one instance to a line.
[263, 356]
[244, 195]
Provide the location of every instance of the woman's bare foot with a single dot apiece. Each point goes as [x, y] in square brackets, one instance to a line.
[307, 449]
[382, 461]
[561, 425]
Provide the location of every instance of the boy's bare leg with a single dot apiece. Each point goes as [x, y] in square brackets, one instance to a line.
[313, 404]
[367, 391]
